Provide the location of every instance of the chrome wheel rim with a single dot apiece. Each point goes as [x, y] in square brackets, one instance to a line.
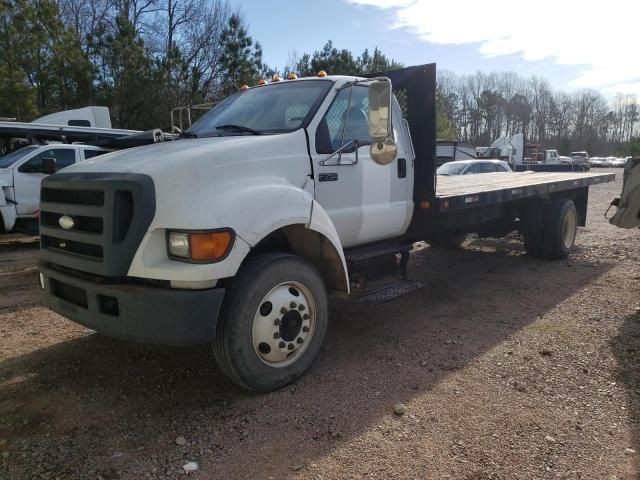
[284, 324]
[569, 230]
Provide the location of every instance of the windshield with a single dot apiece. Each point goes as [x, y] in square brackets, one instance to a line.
[274, 108]
[451, 169]
[11, 158]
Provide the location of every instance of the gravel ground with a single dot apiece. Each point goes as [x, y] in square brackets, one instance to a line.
[506, 367]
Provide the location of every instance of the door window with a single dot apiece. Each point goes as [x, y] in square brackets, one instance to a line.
[475, 168]
[329, 134]
[92, 153]
[63, 156]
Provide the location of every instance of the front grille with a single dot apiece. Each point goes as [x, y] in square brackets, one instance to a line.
[81, 223]
[72, 247]
[110, 213]
[73, 197]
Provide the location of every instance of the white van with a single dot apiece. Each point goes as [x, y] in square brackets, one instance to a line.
[21, 172]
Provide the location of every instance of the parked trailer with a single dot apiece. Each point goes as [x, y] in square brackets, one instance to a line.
[280, 195]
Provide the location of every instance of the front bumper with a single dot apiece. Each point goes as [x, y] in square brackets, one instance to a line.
[144, 314]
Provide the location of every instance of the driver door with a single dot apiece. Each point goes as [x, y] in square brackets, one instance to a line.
[365, 201]
[29, 176]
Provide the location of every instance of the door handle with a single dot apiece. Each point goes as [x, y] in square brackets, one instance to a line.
[402, 168]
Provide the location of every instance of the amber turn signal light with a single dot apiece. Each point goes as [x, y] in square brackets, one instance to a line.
[210, 246]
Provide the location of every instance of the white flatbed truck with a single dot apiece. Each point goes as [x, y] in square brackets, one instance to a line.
[280, 195]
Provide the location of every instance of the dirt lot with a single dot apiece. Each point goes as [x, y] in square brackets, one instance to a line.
[509, 368]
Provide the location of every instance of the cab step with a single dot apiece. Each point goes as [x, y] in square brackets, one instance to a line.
[370, 252]
[389, 292]
[368, 263]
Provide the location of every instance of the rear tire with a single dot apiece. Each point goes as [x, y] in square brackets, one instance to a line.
[550, 232]
[561, 224]
[533, 231]
[273, 322]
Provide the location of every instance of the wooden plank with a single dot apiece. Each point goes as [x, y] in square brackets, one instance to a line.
[481, 183]
[467, 191]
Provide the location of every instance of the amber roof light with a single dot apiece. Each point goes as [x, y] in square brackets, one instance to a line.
[292, 76]
[321, 73]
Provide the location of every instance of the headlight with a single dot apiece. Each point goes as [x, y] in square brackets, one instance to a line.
[179, 244]
[200, 246]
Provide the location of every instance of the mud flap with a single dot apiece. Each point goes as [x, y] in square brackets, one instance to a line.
[628, 213]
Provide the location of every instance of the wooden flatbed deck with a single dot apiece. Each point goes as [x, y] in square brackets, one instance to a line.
[466, 191]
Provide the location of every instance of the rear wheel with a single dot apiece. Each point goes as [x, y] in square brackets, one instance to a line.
[550, 232]
[533, 231]
[561, 224]
[273, 322]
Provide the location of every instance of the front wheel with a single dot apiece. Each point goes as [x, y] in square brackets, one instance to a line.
[273, 322]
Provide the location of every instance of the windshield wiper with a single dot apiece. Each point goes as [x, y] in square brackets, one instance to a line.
[188, 134]
[238, 128]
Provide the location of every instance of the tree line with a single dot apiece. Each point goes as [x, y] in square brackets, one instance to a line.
[141, 58]
[481, 107]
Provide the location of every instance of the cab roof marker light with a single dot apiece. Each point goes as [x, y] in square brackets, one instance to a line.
[262, 81]
[276, 78]
[321, 74]
[244, 87]
[292, 76]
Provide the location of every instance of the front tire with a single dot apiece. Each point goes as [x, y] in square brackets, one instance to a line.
[273, 322]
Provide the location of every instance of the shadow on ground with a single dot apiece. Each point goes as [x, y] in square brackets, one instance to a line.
[626, 349]
[111, 408]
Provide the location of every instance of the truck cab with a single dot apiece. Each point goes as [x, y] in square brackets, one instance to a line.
[22, 171]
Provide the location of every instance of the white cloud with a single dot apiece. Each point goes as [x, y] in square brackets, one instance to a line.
[600, 38]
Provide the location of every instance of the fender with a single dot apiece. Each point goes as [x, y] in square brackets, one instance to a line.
[251, 210]
[317, 240]
[321, 223]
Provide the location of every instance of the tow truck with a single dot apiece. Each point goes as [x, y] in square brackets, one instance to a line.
[281, 196]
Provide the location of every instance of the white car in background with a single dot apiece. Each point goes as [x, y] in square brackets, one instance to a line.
[596, 161]
[22, 170]
[619, 162]
[467, 167]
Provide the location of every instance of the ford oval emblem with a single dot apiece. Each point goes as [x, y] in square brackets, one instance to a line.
[66, 222]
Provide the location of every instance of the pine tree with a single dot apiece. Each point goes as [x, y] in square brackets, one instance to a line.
[42, 67]
[241, 59]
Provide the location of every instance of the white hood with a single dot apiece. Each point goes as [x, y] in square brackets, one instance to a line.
[199, 156]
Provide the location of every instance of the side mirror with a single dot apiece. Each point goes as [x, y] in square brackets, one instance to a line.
[383, 148]
[48, 165]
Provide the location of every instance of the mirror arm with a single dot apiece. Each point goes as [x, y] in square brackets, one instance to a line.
[339, 152]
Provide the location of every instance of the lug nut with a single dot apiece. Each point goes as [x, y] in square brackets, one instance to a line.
[291, 346]
[276, 322]
[282, 344]
[306, 316]
[305, 329]
[276, 335]
[299, 340]
[293, 305]
[283, 310]
[301, 308]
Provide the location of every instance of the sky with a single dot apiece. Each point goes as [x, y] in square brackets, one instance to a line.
[573, 44]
